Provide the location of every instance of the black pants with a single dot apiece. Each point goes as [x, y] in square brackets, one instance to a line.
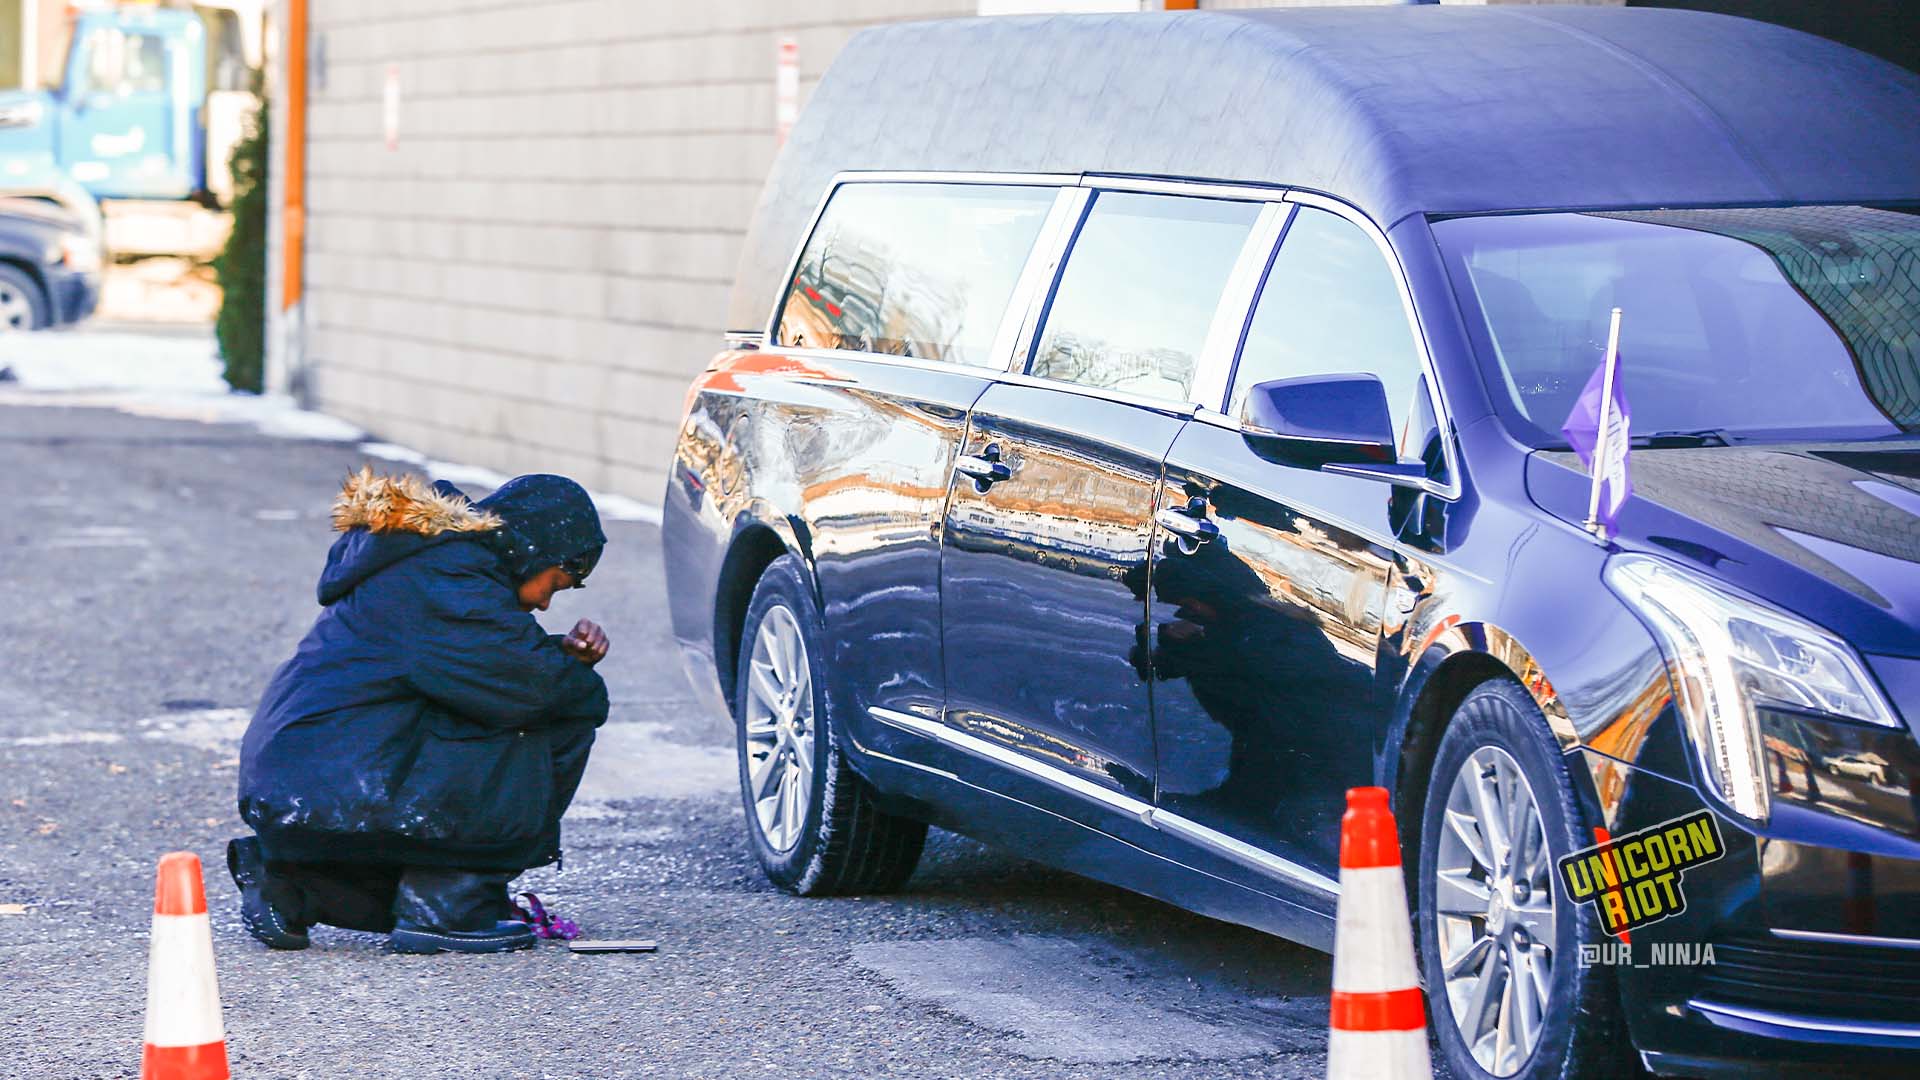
[373, 896]
[358, 896]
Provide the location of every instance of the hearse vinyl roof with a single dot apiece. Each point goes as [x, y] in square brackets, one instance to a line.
[1400, 110]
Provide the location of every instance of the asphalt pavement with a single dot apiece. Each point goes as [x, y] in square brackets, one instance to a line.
[152, 574]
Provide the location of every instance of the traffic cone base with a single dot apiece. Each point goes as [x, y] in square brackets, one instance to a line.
[185, 1038]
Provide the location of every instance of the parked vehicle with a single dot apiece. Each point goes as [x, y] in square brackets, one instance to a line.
[150, 106]
[1138, 430]
[51, 186]
[49, 266]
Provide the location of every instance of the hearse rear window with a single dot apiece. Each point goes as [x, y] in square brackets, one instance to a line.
[912, 269]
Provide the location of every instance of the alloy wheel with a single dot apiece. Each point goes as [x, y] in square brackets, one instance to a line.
[1493, 913]
[779, 729]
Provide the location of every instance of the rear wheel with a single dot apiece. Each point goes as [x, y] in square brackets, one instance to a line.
[1498, 944]
[22, 305]
[815, 824]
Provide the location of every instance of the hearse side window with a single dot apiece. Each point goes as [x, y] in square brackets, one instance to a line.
[913, 269]
[1139, 292]
[1331, 305]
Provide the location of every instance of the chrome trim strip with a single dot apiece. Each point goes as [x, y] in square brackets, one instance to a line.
[1035, 302]
[1243, 853]
[1214, 368]
[871, 752]
[1848, 939]
[1015, 336]
[882, 176]
[1882, 1028]
[1166, 821]
[1168, 406]
[1059, 778]
[1442, 410]
[1361, 472]
[1202, 188]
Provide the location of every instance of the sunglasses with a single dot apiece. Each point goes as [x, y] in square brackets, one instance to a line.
[579, 567]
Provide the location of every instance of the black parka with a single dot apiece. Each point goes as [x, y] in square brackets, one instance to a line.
[412, 724]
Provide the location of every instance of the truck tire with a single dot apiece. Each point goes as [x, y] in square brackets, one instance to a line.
[1505, 925]
[815, 825]
[22, 305]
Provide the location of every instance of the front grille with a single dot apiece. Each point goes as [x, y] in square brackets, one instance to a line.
[1849, 981]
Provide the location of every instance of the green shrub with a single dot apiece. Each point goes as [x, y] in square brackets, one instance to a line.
[242, 267]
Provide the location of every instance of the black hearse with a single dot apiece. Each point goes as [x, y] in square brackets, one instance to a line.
[1137, 430]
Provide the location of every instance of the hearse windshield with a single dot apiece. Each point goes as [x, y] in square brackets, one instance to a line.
[1737, 325]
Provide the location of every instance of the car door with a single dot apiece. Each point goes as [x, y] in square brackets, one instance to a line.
[1044, 559]
[1266, 626]
[895, 319]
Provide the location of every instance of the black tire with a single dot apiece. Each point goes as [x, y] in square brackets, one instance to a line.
[847, 844]
[1580, 1033]
[18, 285]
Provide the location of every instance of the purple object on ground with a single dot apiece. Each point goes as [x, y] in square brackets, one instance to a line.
[545, 925]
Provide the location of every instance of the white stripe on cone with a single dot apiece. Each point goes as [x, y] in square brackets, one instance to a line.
[1373, 954]
[1373, 940]
[183, 996]
[1378, 1055]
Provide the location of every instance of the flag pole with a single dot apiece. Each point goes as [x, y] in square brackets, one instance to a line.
[1594, 524]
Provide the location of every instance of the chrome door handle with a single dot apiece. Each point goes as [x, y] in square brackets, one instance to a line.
[1188, 524]
[986, 469]
[1198, 530]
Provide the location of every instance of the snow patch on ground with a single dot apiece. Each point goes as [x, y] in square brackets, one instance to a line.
[66, 738]
[214, 730]
[177, 377]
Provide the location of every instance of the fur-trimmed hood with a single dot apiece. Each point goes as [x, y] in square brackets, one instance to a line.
[389, 504]
[384, 519]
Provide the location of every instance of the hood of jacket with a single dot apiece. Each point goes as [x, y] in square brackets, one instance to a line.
[384, 519]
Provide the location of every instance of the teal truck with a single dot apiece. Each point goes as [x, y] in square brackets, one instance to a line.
[151, 102]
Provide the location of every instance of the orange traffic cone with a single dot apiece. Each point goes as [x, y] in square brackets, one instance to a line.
[1379, 1017]
[185, 1039]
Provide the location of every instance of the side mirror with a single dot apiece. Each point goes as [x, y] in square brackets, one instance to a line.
[1339, 423]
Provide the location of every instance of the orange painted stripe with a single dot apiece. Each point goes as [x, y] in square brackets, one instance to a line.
[179, 890]
[1387, 1010]
[293, 192]
[208, 1061]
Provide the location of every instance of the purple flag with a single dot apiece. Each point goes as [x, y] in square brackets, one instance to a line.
[1613, 482]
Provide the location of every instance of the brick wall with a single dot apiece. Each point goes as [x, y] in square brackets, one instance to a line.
[531, 278]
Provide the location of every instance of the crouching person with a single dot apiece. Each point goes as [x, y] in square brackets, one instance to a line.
[418, 750]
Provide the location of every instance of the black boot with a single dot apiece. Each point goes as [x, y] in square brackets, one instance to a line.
[455, 911]
[269, 923]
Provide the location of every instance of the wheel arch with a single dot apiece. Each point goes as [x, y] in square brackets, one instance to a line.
[757, 541]
[1452, 664]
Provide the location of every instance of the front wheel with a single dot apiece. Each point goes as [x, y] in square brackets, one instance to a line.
[815, 824]
[22, 305]
[1499, 945]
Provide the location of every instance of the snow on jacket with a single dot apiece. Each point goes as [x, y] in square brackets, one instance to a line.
[411, 724]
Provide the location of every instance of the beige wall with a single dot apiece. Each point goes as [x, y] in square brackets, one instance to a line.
[531, 279]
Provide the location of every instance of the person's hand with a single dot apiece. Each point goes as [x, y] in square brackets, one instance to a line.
[586, 643]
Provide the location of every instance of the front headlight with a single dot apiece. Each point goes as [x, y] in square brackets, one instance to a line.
[1730, 656]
